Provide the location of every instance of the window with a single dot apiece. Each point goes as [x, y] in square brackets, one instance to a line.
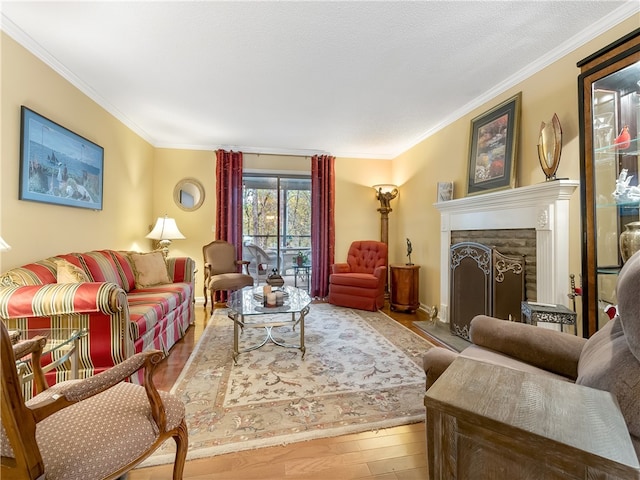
[277, 216]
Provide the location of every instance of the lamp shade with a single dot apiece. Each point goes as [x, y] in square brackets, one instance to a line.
[385, 187]
[4, 246]
[165, 229]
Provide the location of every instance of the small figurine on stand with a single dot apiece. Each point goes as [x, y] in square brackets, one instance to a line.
[623, 141]
[409, 250]
[625, 192]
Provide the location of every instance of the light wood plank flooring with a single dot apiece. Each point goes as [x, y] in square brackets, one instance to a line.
[390, 454]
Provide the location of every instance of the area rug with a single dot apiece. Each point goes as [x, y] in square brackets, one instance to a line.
[362, 371]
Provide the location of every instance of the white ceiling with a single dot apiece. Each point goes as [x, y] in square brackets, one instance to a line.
[351, 78]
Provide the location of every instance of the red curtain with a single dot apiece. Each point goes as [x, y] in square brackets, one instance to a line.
[229, 198]
[322, 223]
[229, 203]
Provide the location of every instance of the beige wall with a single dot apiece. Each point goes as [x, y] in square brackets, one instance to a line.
[37, 230]
[171, 166]
[356, 214]
[444, 157]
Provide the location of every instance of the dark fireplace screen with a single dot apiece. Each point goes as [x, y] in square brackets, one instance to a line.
[484, 282]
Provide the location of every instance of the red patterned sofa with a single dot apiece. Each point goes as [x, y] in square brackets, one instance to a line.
[111, 295]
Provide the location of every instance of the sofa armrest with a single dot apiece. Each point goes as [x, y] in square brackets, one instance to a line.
[61, 299]
[340, 268]
[380, 272]
[244, 266]
[100, 308]
[549, 350]
[435, 361]
[181, 269]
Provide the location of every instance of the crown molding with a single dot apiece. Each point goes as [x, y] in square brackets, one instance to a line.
[629, 9]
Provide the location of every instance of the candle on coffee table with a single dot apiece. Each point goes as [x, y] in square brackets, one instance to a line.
[271, 299]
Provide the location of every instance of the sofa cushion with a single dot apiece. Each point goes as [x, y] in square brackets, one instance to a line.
[607, 364]
[73, 259]
[150, 269]
[182, 291]
[125, 268]
[41, 272]
[144, 317]
[362, 280]
[101, 266]
[69, 273]
[148, 306]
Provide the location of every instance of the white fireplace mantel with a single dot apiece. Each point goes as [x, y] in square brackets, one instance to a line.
[544, 206]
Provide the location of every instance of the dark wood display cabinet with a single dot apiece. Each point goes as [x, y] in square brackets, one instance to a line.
[405, 287]
[609, 108]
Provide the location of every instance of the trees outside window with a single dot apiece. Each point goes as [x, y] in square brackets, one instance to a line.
[277, 215]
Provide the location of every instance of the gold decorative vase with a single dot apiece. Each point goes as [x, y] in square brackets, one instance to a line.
[630, 240]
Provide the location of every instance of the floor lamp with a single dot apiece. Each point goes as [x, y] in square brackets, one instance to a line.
[385, 193]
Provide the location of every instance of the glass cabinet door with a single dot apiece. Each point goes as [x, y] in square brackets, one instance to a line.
[610, 117]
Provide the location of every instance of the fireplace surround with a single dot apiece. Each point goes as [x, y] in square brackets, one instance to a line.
[543, 207]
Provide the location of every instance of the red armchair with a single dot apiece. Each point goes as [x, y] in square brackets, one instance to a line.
[360, 282]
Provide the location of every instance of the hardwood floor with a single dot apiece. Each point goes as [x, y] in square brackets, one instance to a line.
[397, 453]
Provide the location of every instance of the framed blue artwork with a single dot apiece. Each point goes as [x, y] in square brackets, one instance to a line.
[58, 166]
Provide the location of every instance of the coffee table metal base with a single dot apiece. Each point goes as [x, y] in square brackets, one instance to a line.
[239, 324]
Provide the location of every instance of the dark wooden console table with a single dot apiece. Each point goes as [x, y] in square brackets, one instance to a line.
[490, 422]
[405, 287]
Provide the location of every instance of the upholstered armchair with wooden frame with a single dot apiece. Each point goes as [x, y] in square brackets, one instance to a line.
[96, 428]
[222, 270]
[359, 283]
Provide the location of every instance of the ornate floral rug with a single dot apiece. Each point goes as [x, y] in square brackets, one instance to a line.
[362, 371]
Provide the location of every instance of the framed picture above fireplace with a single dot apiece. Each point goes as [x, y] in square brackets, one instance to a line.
[493, 145]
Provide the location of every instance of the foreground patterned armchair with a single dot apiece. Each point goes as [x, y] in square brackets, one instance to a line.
[359, 283]
[96, 428]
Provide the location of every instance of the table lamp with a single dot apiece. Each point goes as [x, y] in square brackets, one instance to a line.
[164, 231]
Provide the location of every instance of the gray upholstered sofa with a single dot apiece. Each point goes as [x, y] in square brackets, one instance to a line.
[609, 360]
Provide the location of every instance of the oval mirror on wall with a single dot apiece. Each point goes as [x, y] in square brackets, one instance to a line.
[188, 194]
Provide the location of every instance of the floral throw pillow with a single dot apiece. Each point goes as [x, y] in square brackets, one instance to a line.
[149, 269]
[67, 272]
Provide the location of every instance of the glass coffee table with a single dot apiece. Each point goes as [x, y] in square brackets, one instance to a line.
[247, 310]
[61, 345]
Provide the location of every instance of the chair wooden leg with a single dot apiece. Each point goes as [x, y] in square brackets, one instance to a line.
[213, 302]
[182, 444]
